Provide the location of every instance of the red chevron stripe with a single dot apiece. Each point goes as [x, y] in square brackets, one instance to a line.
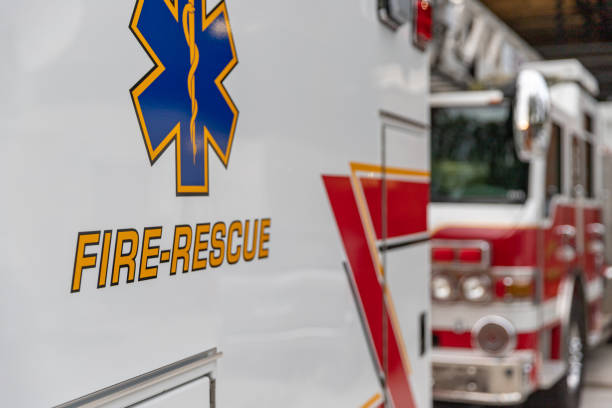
[368, 288]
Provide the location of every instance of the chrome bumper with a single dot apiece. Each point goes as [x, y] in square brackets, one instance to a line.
[473, 377]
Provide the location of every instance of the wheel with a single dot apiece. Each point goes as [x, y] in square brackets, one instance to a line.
[566, 393]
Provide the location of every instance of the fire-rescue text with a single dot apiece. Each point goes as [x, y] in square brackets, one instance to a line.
[127, 254]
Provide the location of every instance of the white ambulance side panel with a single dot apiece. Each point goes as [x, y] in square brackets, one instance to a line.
[310, 81]
[405, 266]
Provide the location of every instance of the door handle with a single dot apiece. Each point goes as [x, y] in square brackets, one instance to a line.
[567, 250]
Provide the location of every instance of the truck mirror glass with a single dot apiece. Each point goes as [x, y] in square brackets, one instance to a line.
[531, 115]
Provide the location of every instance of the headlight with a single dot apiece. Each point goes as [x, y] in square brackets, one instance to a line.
[476, 288]
[443, 287]
[494, 334]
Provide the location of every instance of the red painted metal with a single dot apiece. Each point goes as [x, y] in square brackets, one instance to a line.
[368, 288]
[555, 342]
[443, 254]
[448, 338]
[406, 206]
[500, 288]
[509, 247]
[470, 255]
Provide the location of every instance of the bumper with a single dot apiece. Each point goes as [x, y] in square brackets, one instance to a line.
[472, 377]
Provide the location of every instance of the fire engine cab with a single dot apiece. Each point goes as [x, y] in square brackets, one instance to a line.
[520, 244]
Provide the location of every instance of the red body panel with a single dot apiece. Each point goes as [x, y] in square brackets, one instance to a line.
[369, 290]
[406, 206]
[518, 247]
[510, 247]
[448, 338]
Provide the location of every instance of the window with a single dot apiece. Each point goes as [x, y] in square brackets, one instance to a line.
[553, 165]
[589, 170]
[473, 156]
[577, 186]
[582, 168]
[588, 123]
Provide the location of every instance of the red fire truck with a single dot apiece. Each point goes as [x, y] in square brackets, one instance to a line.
[520, 251]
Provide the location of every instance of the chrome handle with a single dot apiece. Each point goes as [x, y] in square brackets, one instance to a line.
[596, 247]
[596, 232]
[566, 232]
[596, 229]
[566, 251]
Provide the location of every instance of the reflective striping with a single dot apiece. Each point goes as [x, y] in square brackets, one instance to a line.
[450, 339]
[453, 322]
[525, 317]
[365, 273]
[356, 167]
[370, 209]
[372, 401]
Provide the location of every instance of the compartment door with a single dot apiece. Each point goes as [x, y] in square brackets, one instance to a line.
[405, 246]
[194, 394]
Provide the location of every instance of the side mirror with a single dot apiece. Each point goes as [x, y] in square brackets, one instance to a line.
[531, 115]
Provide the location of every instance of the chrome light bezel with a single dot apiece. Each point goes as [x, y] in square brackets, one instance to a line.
[486, 282]
[453, 285]
[502, 322]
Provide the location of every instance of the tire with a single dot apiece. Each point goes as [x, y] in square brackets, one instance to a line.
[567, 392]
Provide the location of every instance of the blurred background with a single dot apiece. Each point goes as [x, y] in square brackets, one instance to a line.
[536, 29]
[481, 45]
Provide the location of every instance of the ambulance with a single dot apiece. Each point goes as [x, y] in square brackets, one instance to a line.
[214, 203]
[521, 238]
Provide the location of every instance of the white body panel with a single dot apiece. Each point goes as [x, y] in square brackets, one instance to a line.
[311, 80]
[475, 215]
[570, 70]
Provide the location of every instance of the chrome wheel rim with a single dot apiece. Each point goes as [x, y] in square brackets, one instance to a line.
[575, 356]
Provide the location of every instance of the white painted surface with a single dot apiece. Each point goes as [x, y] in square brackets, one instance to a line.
[405, 147]
[196, 393]
[407, 289]
[569, 70]
[310, 83]
[524, 316]
[471, 215]
[469, 98]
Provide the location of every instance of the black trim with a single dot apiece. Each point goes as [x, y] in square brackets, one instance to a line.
[423, 334]
[390, 247]
[136, 404]
[364, 325]
[402, 119]
[385, 16]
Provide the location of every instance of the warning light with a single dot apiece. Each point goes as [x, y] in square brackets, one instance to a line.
[442, 254]
[470, 255]
[423, 23]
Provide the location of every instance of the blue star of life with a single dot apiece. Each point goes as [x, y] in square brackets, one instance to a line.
[182, 99]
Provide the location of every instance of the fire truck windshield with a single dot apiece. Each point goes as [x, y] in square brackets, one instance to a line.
[473, 156]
